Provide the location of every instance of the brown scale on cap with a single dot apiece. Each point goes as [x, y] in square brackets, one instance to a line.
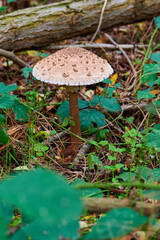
[68, 67]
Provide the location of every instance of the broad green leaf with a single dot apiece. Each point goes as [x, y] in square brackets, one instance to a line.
[109, 104]
[127, 176]
[42, 54]
[145, 94]
[89, 116]
[153, 139]
[20, 111]
[155, 175]
[82, 104]
[6, 214]
[26, 71]
[116, 223]
[4, 138]
[7, 101]
[156, 126]
[94, 160]
[63, 110]
[93, 192]
[42, 195]
[3, 227]
[107, 80]
[1, 119]
[19, 235]
[6, 89]
[48, 230]
[143, 172]
[157, 21]
[10, 1]
[155, 57]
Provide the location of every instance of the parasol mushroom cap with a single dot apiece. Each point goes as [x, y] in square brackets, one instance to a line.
[72, 67]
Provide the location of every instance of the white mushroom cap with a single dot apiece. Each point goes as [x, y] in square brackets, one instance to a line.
[73, 67]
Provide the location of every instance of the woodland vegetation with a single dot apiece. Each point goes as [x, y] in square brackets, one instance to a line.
[109, 187]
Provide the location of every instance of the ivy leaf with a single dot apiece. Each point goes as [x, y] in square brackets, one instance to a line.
[116, 223]
[127, 176]
[38, 198]
[26, 72]
[1, 119]
[109, 104]
[94, 192]
[157, 21]
[6, 89]
[20, 111]
[7, 101]
[155, 57]
[89, 116]
[145, 94]
[63, 110]
[153, 139]
[4, 138]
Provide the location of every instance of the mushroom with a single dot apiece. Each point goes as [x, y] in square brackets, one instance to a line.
[73, 67]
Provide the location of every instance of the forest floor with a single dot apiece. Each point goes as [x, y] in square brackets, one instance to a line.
[129, 141]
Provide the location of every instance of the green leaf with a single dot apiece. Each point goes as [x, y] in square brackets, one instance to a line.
[10, 1]
[94, 192]
[145, 94]
[6, 214]
[6, 89]
[42, 195]
[127, 176]
[93, 160]
[107, 80]
[109, 104]
[26, 71]
[63, 110]
[42, 54]
[155, 175]
[89, 116]
[83, 104]
[143, 172]
[157, 21]
[48, 230]
[20, 111]
[4, 138]
[116, 223]
[7, 101]
[153, 139]
[155, 57]
[1, 119]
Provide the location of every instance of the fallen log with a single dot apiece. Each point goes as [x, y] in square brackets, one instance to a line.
[39, 26]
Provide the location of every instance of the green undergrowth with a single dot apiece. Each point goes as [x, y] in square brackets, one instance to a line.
[51, 208]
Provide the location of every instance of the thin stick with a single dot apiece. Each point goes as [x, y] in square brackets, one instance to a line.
[127, 58]
[13, 57]
[97, 45]
[100, 21]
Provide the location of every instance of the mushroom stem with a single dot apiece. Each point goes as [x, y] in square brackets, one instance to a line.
[74, 113]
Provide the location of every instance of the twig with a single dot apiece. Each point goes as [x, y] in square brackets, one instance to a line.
[103, 205]
[97, 45]
[127, 58]
[13, 57]
[100, 21]
[83, 150]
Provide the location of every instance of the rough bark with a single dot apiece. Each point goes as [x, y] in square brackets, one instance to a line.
[43, 25]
